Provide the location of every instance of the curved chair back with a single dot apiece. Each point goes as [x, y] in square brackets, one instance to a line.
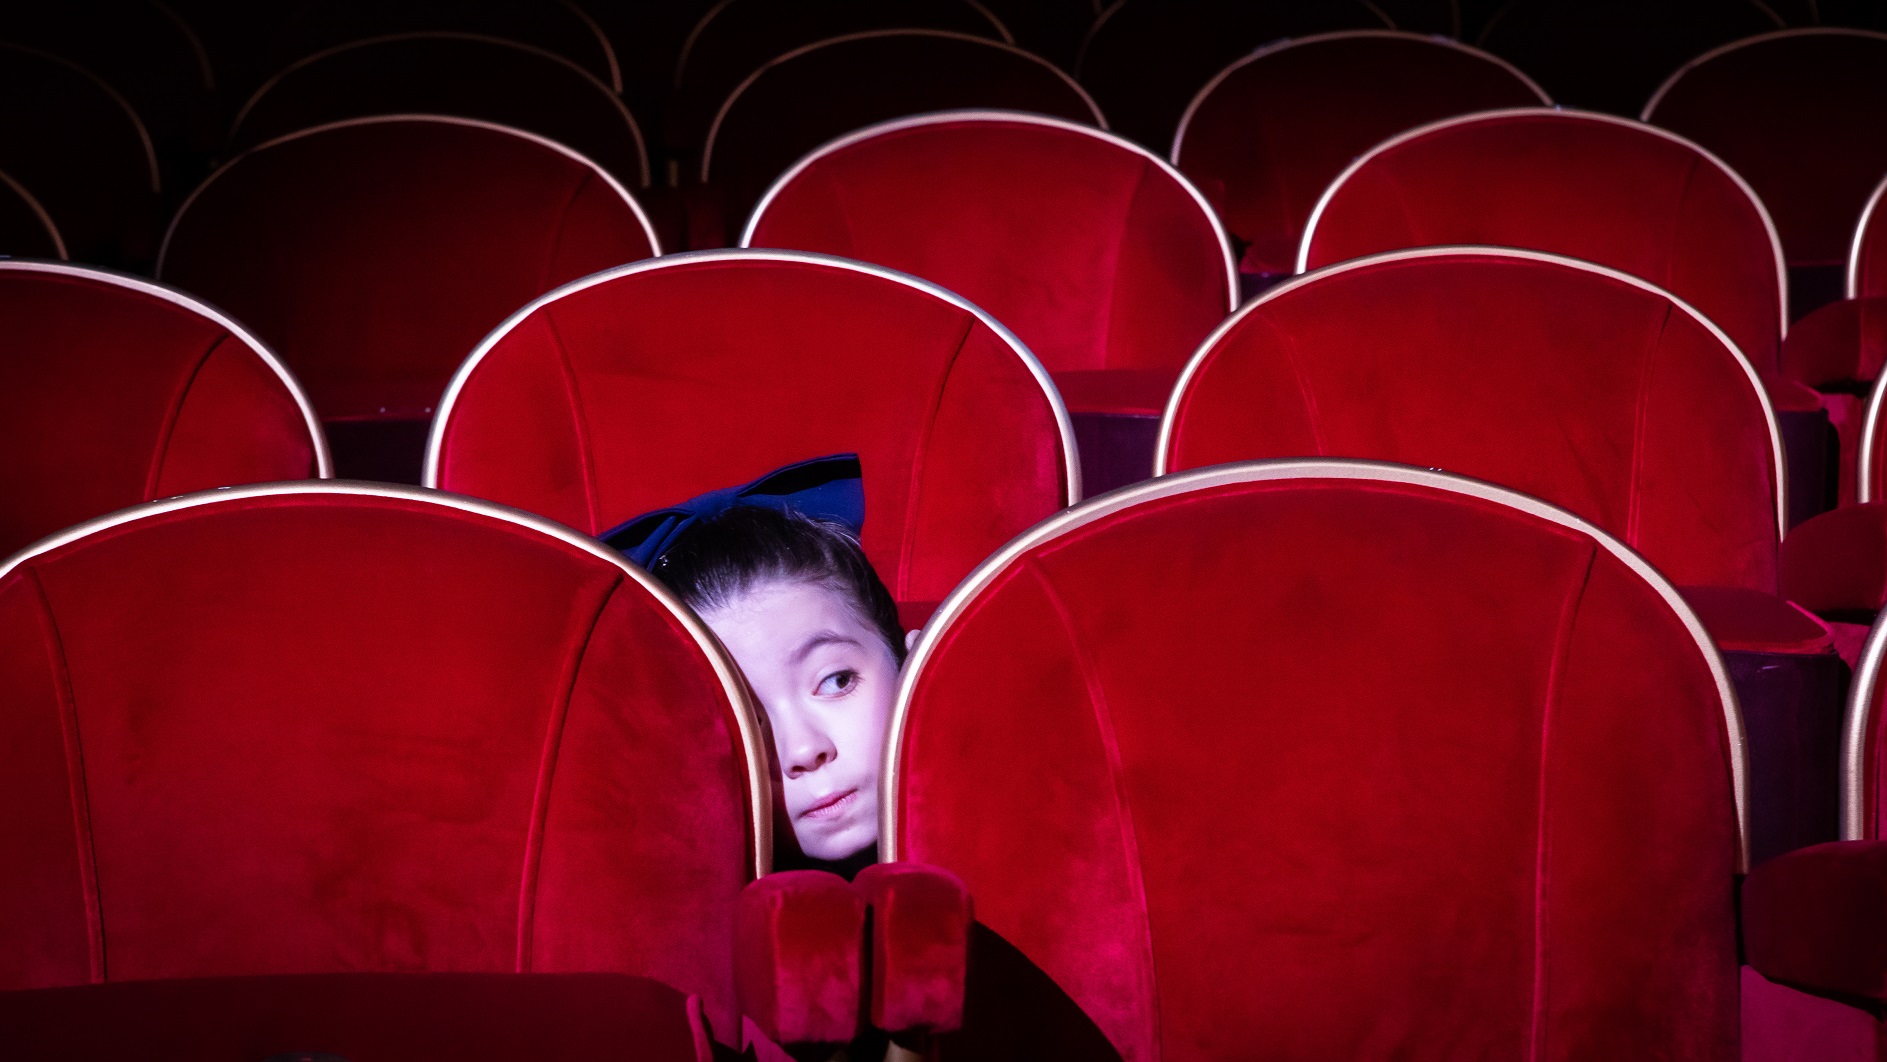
[1265, 137]
[698, 371]
[1867, 248]
[1577, 384]
[323, 728]
[1329, 759]
[1588, 186]
[1863, 769]
[115, 391]
[26, 230]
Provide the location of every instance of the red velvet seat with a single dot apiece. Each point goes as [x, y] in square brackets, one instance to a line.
[633, 389]
[373, 253]
[80, 150]
[326, 728]
[1589, 388]
[1265, 137]
[26, 230]
[1326, 759]
[115, 391]
[1143, 59]
[1803, 115]
[464, 75]
[805, 97]
[1100, 256]
[1589, 186]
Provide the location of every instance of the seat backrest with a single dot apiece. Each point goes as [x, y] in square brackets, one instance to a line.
[733, 38]
[115, 391]
[807, 96]
[1802, 114]
[1867, 248]
[26, 230]
[1864, 742]
[637, 388]
[326, 728]
[1577, 384]
[1870, 477]
[1590, 186]
[1331, 759]
[1609, 55]
[1143, 59]
[1265, 137]
[78, 147]
[1096, 252]
[460, 74]
[373, 253]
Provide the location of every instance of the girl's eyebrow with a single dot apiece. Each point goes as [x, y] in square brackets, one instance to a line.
[820, 639]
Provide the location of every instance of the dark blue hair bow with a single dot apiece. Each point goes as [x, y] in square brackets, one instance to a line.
[824, 488]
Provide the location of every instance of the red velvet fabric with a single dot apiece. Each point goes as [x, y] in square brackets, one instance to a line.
[1837, 562]
[333, 732]
[1869, 255]
[662, 383]
[1783, 1024]
[1592, 393]
[1840, 348]
[804, 98]
[1319, 768]
[1803, 116]
[1873, 760]
[1263, 142]
[372, 256]
[799, 943]
[920, 946]
[1096, 256]
[1587, 186]
[1817, 918]
[111, 394]
[487, 78]
[1751, 621]
[362, 1018]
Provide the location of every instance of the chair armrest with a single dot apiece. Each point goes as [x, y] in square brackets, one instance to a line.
[1840, 342]
[1816, 918]
[799, 944]
[1837, 561]
[920, 946]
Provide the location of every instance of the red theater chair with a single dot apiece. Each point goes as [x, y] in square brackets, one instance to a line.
[1589, 388]
[115, 390]
[1803, 115]
[1106, 262]
[1143, 59]
[26, 230]
[1326, 759]
[373, 253]
[80, 150]
[807, 96]
[634, 389]
[1265, 137]
[459, 74]
[348, 728]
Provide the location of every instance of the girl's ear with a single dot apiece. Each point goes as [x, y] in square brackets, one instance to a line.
[910, 638]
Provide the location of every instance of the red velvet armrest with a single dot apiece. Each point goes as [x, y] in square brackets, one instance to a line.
[799, 943]
[920, 946]
[1816, 918]
[1842, 341]
[1121, 392]
[1837, 562]
[1750, 621]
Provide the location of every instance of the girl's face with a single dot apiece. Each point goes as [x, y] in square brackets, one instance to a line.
[827, 680]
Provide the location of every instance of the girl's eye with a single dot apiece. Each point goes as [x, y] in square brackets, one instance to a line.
[836, 683]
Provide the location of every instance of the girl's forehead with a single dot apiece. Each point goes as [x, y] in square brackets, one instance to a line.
[781, 610]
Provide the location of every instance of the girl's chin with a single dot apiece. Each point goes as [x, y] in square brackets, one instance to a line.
[837, 842]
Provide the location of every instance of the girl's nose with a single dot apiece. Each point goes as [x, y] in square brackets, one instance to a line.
[804, 746]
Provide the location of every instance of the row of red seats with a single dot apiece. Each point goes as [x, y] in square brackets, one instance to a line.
[1303, 758]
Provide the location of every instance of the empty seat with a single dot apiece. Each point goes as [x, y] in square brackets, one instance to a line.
[459, 74]
[331, 728]
[1144, 59]
[802, 99]
[80, 150]
[115, 391]
[1329, 760]
[699, 370]
[1589, 186]
[1803, 115]
[1588, 388]
[1610, 55]
[373, 253]
[1265, 137]
[26, 230]
[1100, 256]
[736, 37]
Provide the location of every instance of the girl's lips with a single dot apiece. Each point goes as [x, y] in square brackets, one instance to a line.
[831, 806]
